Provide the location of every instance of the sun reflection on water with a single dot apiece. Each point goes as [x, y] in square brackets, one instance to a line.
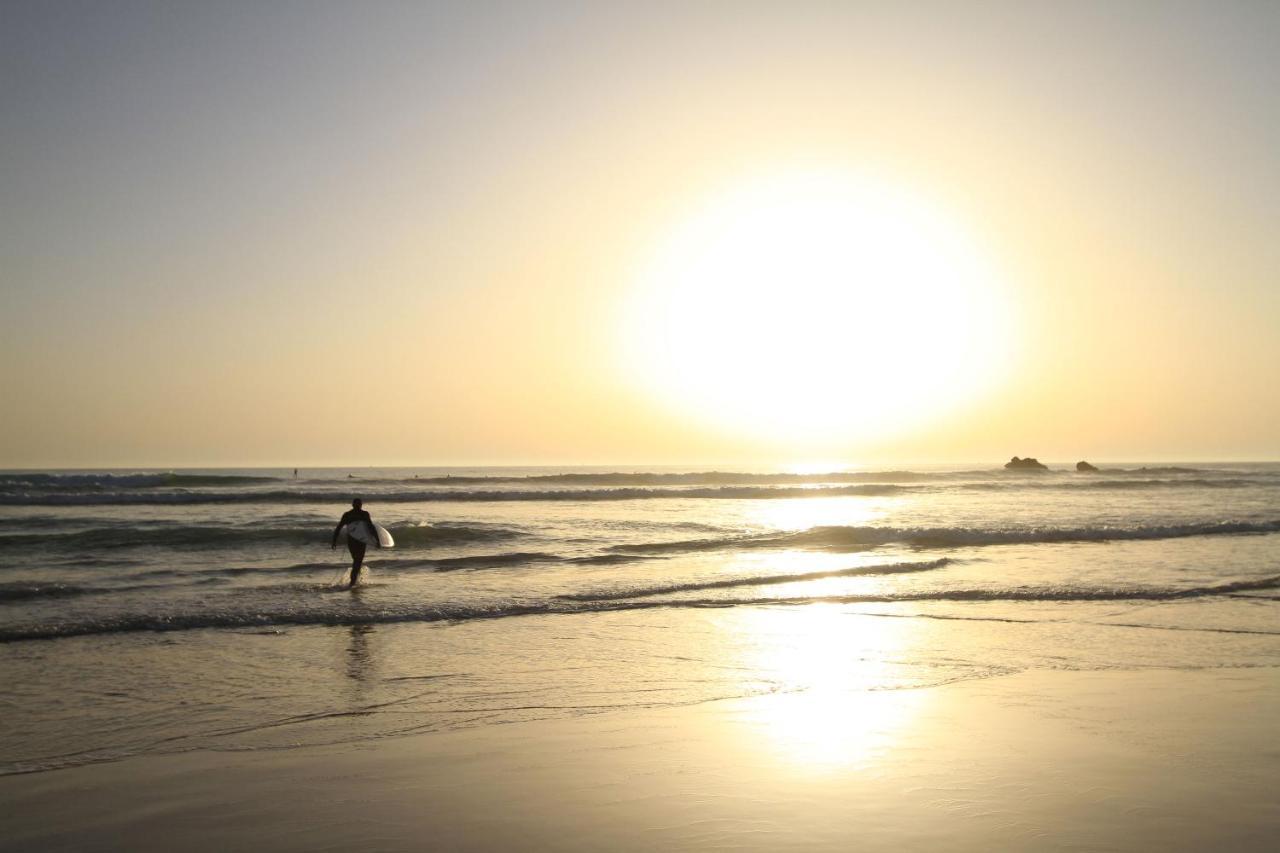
[840, 702]
[805, 513]
[813, 468]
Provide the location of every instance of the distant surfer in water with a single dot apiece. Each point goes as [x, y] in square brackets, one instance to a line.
[356, 547]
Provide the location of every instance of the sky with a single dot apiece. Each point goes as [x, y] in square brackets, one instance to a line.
[297, 234]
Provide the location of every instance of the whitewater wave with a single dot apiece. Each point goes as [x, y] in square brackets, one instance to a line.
[125, 498]
[326, 613]
[760, 580]
[104, 481]
[154, 578]
[693, 478]
[164, 480]
[857, 538]
[490, 561]
[209, 537]
[30, 591]
[612, 559]
[426, 536]
[706, 478]
[190, 489]
[25, 592]
[826, 538]
[1118, 484]
[171, 479]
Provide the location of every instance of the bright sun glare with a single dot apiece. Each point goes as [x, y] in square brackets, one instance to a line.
[815, 306]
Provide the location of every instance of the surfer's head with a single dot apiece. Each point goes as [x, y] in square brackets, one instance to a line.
[356, 502]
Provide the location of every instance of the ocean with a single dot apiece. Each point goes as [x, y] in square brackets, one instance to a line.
[150, 612]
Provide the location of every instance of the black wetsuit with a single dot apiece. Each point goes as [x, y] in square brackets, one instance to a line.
[354, 545]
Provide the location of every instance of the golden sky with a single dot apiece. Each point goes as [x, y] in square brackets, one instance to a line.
[323, 234]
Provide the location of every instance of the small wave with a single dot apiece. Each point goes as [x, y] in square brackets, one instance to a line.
[257, 618]
[1112, 485]
[843, 538]
[612, 559]
[26, 592]
[336, 614]
[761, 580]
[378, 562]
[161, 480]
[203, 537]
[491, 561]
[688, 478]
[411, 537]
[446, 495]
[1196, 483]
[172, 480]
[64, 522]
[171, 537]
[239, 571]
[84, 561]
[38, 591]
[447, 533]
[182, 490]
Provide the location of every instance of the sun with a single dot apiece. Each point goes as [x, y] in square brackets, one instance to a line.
[814, 306]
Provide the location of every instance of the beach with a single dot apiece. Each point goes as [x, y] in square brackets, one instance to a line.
[1035, 761]
[947, 658]
[640, 427]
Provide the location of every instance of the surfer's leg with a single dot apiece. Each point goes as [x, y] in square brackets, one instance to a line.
[357, 558]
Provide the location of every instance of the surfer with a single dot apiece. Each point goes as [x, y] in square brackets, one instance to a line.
[356, 547]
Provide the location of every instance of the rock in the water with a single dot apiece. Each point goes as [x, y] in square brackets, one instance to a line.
[1028, 464]
[1085, 466]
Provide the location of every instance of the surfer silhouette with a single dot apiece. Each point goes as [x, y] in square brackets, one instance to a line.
[354, 545]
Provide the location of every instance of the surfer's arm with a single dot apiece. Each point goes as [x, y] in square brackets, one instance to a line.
[336, 531]
[377, 540]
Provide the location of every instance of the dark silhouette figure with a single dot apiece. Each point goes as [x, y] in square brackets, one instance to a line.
[354, 545]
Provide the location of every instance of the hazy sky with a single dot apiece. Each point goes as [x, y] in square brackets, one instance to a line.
[385, 233]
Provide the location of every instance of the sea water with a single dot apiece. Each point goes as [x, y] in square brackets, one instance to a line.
[151, 612]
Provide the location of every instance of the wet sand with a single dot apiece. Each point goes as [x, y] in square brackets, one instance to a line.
[1126, 760]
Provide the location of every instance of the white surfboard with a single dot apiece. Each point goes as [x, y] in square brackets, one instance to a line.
[359, 531]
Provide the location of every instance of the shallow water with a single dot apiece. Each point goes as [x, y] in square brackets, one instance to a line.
[147, 612]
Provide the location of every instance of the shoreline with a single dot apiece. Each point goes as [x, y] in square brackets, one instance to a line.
[1126, 760]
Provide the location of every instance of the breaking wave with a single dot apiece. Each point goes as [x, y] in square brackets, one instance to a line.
[167, 480]
[29, 591]
[1114, 484]
[842, 538]
[709, 478]
[827, 538]
[161, 489]
[489, 561]
[760, 580]
[336, 614]
[15, 592]
[694, 478]
[209, 537]
[139, 498]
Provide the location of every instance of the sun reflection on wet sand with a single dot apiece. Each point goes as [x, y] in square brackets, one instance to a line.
[840, 703]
